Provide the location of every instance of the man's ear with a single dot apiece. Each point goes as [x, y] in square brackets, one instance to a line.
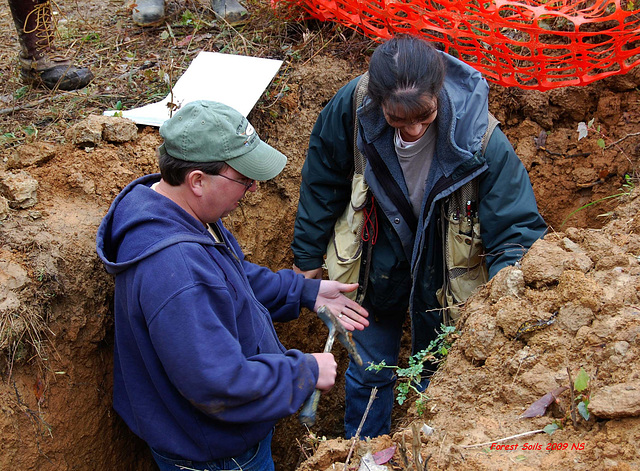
[194, 181]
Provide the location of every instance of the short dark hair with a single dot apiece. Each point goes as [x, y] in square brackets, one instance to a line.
[403, 71]
[174, 171]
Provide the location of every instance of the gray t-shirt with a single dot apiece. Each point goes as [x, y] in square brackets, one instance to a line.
[415, 160]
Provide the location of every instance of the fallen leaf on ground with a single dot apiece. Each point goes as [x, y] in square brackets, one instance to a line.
[539, 407]
[385, 455]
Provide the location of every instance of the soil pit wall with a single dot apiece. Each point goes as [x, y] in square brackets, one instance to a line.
[56, 389]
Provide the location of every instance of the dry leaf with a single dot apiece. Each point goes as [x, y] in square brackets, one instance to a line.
[539, 407]
[385, 455]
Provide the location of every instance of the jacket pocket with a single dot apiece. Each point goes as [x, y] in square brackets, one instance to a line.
[466, 268]
[390, 275]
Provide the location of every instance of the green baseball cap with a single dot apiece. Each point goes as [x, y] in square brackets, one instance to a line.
[208, 131]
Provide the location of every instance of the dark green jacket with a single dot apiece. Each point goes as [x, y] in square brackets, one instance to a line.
[406, 267]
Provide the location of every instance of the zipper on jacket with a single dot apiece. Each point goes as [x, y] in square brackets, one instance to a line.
[249, 289]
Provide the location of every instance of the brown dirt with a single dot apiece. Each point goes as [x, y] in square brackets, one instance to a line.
[55, 298]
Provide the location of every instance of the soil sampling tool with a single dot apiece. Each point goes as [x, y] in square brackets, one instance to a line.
[307, 414]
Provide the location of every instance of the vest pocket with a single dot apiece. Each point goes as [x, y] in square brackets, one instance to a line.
[465, 266]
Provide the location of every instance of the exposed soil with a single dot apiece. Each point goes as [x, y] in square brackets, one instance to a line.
[56, 299]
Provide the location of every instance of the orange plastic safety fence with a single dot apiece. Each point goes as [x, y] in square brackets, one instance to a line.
[532, 44]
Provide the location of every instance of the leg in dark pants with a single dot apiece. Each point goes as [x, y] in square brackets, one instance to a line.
[379, 341]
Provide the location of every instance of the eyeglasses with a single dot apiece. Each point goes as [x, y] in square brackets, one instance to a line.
[246, 185]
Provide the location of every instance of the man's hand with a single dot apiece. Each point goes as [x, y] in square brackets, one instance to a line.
[350, 314]
[310, 274]
[328, 369]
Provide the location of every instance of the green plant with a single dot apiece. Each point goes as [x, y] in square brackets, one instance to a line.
[584, 128]
[26, 133]
[187, 18]
[627, 188]
[410, 378]
[30, 131]
[168, 33]
[92, 38]
[552, 427]
[581, 401]
[21, 92]
[8, 138]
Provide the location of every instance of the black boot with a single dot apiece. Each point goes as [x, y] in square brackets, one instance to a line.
[39, 62]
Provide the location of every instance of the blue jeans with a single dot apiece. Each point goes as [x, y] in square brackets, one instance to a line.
[257, 458]
[379, 341]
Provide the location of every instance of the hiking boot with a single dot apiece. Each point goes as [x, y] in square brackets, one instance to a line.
[54, 72]
[232, 12]
[40, 64]
[146, 12]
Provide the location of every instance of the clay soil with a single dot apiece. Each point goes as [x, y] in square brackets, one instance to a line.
[63, 165]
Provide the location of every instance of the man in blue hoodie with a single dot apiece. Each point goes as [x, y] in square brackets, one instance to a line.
[199, 372]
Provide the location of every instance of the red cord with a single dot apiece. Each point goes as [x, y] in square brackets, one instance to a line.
[370, 227]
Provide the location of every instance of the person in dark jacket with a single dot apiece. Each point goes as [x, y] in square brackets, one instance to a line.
[425, 114]
[199, 372]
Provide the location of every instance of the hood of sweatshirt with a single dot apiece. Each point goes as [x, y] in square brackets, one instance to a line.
[141, 222]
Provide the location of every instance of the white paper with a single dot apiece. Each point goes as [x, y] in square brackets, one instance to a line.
[236, 81]
[367, 463]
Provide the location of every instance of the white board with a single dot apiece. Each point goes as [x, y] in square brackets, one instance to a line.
[236, 81]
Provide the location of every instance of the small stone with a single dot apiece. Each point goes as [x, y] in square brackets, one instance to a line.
[93, 130]
[20, 189]
[621, 348]
[508, 282]
[31, 154]
[427, 430]
[4, 208]
[616, 401]
[12, 275]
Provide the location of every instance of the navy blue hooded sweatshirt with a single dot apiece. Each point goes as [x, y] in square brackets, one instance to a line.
[198, 369]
